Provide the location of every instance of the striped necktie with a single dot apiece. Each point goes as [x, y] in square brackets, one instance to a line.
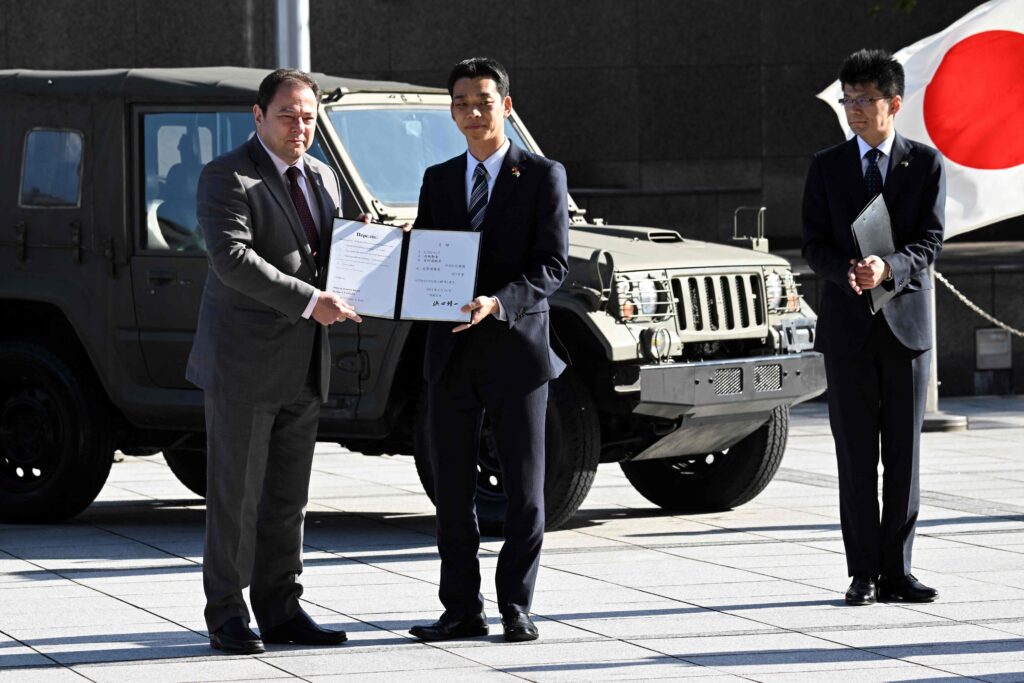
[478, 197]
[873, 176]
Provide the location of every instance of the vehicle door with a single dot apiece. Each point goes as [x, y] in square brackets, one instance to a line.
[170, 147]
[49, 243]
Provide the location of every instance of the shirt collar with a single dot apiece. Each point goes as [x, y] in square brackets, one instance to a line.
[281, 166]
[491, 163]
[885, 146]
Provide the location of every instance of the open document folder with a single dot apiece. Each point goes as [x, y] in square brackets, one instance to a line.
[384, 272]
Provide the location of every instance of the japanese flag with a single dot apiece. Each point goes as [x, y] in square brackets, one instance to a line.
[965, 97]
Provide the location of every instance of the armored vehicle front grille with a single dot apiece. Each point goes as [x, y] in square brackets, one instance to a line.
[727, 381]
[715, 305]
[767, 378]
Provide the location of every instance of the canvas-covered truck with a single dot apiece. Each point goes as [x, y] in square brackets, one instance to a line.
[683, 356]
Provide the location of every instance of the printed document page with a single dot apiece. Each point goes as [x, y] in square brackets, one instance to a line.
[364, 266]
[440, 275]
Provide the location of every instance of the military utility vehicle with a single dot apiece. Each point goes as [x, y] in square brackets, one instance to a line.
[684, 356]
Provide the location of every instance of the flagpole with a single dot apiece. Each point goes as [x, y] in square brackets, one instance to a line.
[934, 419]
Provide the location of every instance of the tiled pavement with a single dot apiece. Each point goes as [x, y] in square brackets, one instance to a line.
[626, 592]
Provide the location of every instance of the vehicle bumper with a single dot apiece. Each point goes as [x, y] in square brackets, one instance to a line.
[717, 403]
[728, 387]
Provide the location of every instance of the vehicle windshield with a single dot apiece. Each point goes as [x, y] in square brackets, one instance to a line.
[392, 147]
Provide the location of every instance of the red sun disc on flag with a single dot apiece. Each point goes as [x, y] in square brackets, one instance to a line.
[974, 105]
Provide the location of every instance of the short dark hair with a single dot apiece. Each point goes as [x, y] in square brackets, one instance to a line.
[873, 66]
[274, 80]
[480, 67]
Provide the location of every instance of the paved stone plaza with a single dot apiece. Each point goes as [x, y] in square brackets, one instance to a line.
[626, 592]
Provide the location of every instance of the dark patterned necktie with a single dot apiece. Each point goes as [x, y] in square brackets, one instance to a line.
[873, 177]
[305, 216]
[478, 197]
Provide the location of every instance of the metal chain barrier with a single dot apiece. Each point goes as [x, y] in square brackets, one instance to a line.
[974, 307]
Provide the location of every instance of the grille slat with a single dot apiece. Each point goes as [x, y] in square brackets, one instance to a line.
[757, 298]
[724, 292]
[696, 308]
[711, 303]
[682, 305]
[743, 301]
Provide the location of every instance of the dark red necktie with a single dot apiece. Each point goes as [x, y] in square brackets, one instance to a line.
[305, 217]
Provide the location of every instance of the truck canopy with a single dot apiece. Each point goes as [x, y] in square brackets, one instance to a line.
[192, 84]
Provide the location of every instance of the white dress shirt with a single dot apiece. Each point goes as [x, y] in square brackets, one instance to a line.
[282, 168]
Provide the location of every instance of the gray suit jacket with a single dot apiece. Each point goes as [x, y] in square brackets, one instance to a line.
[252, 343]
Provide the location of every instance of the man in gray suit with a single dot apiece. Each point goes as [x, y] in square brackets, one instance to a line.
[261, 356]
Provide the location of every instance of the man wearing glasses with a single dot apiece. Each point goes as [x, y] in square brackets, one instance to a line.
[876, 365]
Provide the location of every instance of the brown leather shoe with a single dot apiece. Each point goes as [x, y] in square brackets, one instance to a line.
[862, 591]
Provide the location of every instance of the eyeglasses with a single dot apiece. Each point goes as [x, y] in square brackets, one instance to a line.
[859, 101]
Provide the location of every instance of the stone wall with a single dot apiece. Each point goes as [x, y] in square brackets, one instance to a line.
[665, 112]
[668, 113]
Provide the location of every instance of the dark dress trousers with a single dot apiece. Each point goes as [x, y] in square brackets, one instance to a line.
[498, 367]
[876, 366]
[264, 370]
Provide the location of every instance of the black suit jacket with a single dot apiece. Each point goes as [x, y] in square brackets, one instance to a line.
[915, 193]
[252, 343]
[523, 261]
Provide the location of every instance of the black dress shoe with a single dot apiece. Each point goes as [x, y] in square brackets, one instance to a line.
[302, 630]
[235, 637]
[862, 591]
[906, 588]
[518, 627]
[449, 627]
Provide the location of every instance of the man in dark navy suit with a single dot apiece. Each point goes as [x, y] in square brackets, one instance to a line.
[501, 361]
[877, 365]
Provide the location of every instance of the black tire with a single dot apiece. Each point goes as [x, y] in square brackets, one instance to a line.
[189, 466]
[572, 447]
[716, 481]
[55, 437]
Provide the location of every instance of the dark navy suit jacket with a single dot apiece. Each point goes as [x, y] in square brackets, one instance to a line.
[523, 261]
[915, 193]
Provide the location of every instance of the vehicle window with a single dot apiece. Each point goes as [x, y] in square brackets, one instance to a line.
[391, 148]
[175, 147]
[51, 172]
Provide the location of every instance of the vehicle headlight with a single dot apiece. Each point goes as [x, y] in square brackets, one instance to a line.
[773, 290]
[656, 343]
[624, 304]
[648, 297]
[781, 291]
[645, 296]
